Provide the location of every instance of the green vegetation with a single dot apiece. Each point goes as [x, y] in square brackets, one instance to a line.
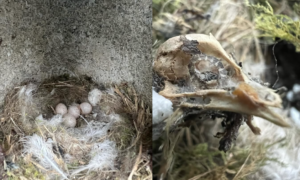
[276, 25]
[166, 5]
[27, 171]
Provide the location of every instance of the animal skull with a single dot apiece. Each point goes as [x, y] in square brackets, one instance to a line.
[196, 66]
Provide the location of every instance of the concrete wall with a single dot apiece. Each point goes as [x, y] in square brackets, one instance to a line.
[106, 39]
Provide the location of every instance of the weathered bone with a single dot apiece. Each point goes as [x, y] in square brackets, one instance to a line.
[248, 97]
[172, 63]
[170, 93]
[222, 100]
[228, 103]
[210, 46]
[254, 129]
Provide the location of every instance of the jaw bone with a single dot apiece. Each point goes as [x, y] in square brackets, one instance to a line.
[240, 101]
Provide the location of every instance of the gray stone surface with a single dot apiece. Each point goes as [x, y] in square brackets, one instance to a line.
[105, 39]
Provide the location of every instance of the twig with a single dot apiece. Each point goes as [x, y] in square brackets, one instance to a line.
[273, 51]
[37, 164]
[67, 85]
[146, 163]
[84, 119]
[125, 99]
[136, 164]
[52, 109]
[201, 175]
[16, 125]
[241, 167]
[38, 127]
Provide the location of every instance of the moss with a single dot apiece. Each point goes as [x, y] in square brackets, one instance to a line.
[73, 165]
[27, 170]
[296, 8]
[167, 5]
[123, 133]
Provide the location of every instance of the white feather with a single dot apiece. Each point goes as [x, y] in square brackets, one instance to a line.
[25, 99]
[111, 91]
[93, 131]
[296, 88]
[162, 108]
[113, 117]
[42, 151]
[55, 121]
[102, 157]
[295, 115]
[94, 96]
[288, 154]
[25, 93]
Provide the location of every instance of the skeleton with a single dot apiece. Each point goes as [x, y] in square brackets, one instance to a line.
[213, 82]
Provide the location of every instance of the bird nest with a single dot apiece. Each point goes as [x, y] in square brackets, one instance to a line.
[106, 144]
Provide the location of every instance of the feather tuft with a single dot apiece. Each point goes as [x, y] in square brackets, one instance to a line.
[41, 150]
[162, 108]
[102, 157]
[94, 96]
[55, 121]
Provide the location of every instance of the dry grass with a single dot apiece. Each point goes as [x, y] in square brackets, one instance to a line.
[196, 156]
[140, 113]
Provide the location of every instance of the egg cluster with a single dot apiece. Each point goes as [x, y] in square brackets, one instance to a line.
[73, 112]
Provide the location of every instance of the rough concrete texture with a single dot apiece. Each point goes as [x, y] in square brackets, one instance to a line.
[105, 39]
